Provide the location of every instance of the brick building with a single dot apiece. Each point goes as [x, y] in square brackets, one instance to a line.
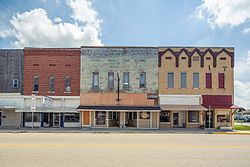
[52, 75]
[119, 87]
[196, 87]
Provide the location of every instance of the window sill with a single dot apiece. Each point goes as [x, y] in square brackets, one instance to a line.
[35, 91]
[196, 88]
[165, 123]
[53, 92]
[221, 88]
[67, 92]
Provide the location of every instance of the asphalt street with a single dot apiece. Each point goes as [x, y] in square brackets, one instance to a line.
[106, 150]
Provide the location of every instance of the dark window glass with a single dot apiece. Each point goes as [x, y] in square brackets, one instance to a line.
[183, 80]
[221, 78]
[193, 116]
[196, 80]
[165, 116]
[71, 117]
[142, 80]
[52, 83]
[15, 83]
[35, 83]
[208, 80]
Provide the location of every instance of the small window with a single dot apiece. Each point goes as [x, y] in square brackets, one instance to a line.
[183, 80]
[196, 80]
[208, 58]
[223, 118]
[223, 58]
[168, 58]
[193, 116]
[15, 83]
[144, 115]
[170, 80]
[142, 80]
[165, 116]
[35, 83]
[95, 80]
[52, 83]
[196, 58]
[111, 80]
[67, 84]
[126, 80]
[183, 58]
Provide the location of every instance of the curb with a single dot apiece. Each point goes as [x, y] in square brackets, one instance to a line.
[234, 133]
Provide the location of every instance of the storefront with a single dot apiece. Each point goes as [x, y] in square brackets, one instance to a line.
[53, 118]
[120, 116]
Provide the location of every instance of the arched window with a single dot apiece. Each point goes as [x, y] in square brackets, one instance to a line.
[67, 84]
[52, 83]
[35, 83]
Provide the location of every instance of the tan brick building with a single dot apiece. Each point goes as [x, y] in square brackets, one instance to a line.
[196, 87]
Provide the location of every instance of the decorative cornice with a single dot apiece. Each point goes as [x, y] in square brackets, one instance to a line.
[191, 53]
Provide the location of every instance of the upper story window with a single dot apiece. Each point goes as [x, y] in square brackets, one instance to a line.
[15, 83]
[221, 78]
[208, 80]
[125, 80]
[51, 83]
[95, 80]
[196, 79]
[110, 80]
[183, 80]
[67, 84]
[35, 83]
[142, 80]
[170, 80]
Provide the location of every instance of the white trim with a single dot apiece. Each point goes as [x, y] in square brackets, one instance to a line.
[120, 110]
[180, 96]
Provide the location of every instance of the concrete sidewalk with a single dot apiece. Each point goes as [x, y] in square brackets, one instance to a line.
[126, 130]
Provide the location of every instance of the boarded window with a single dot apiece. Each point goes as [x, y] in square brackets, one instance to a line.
[196, 79]
[183, 80]
[35, 83]
[196, 58]
[67, 84]
[170, 80]
[221, 78]
[110, 80]
[208, 80]
[52, 83]
[125, 80]
[142, 80]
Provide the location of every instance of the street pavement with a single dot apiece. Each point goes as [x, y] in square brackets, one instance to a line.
[123, 149]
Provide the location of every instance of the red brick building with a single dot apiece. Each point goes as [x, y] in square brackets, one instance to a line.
[53, 76]
[59, 63]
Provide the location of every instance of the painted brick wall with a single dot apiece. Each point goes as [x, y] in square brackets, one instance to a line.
[45, 62]
[11, 67]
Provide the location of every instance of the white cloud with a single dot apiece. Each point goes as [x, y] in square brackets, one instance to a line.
[34, 28]
[246, 30]
[242, 83]
[219, 13]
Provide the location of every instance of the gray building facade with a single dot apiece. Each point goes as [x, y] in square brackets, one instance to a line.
[11, 70]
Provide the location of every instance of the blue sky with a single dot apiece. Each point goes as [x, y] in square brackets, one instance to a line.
[72, 23]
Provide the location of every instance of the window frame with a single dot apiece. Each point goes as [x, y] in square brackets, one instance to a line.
[208, 80]
[15, 82]
[97, 80]
[183, 80]
[221, 80]
[35, 83]
[141, 84]
[125, 84]
[189, 116]
[170, 84]
[167, 116]
[51, 85]
[194, 81]
[67, 84]
[111, 83]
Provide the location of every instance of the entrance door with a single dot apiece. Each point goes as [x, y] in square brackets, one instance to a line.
[209, 119]
[175, 119]
[0, 118]
[56, 120]
[86, 118]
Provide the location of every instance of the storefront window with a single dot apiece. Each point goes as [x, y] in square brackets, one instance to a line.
[100, 117]
[193, 116]
[135, 115]
[223, 118]
[28, 117]
[165, 116]
[144, 115]
[71, 117]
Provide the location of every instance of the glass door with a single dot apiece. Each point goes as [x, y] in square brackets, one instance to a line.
[56, 120]
[175, 119]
